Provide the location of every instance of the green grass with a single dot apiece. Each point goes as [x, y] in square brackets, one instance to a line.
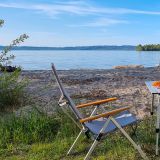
[35, 136]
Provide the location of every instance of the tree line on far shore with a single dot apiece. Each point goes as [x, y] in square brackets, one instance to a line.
[148, 47]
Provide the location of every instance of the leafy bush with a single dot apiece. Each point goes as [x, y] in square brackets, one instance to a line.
[11, 87]
[11, 90]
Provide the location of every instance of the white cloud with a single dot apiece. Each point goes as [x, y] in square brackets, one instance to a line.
[101, 22]
[75, 7]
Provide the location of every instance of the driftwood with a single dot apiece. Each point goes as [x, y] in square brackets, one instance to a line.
[128, 67]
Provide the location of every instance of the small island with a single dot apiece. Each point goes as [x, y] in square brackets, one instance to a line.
[148, 47]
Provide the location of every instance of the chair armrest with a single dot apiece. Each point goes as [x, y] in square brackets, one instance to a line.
[96, 102]
[106, 114]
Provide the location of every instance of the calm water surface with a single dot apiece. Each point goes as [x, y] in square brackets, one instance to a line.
[37, 60]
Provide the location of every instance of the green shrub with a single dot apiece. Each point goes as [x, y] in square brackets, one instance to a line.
[11, 90]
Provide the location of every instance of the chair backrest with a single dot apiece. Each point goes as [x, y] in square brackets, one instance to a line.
[65, 95]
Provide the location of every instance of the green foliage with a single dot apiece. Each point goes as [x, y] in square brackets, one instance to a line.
[5, 59]
[68, 127]
[34, 127]
[11, 87]
[139, 48]
[149, 47]
[11, 90]
[27, 129]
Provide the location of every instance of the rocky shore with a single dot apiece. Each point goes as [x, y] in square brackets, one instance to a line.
[84, 85]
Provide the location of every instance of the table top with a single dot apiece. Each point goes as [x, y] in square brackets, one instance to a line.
[151, 88]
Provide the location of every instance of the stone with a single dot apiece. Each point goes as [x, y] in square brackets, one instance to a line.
[8, 68]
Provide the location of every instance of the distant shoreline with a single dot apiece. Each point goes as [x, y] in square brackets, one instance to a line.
[90, 48]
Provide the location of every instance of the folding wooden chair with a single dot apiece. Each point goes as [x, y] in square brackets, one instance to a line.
[98, 125]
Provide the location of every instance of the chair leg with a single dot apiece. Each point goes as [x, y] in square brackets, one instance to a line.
[91, 149]
[98, 138]
[74, 143]
[137, 147]
[157, 127]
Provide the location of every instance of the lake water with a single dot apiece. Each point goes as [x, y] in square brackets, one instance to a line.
[41, 60]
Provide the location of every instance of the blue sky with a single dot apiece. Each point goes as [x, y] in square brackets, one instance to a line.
[81, 22]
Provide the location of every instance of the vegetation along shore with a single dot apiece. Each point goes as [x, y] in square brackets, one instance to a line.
[148, 47]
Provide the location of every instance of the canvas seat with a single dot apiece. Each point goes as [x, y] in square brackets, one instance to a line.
[97, 124]
[124, 119]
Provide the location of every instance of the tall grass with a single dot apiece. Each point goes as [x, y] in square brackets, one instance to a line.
[34, 127]
[29, 129]
[37, 136]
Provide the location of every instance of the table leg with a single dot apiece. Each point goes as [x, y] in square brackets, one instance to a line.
[157, 125]
[152, 104]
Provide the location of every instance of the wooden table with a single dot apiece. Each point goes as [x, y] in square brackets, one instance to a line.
[155, 91]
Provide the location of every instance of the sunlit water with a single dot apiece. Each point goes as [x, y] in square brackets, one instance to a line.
[41, 60]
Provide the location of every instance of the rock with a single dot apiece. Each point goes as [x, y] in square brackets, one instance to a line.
[8, 68]
[128, 67]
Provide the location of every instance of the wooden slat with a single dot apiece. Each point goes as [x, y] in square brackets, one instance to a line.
[97, 102]
[106, 114]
